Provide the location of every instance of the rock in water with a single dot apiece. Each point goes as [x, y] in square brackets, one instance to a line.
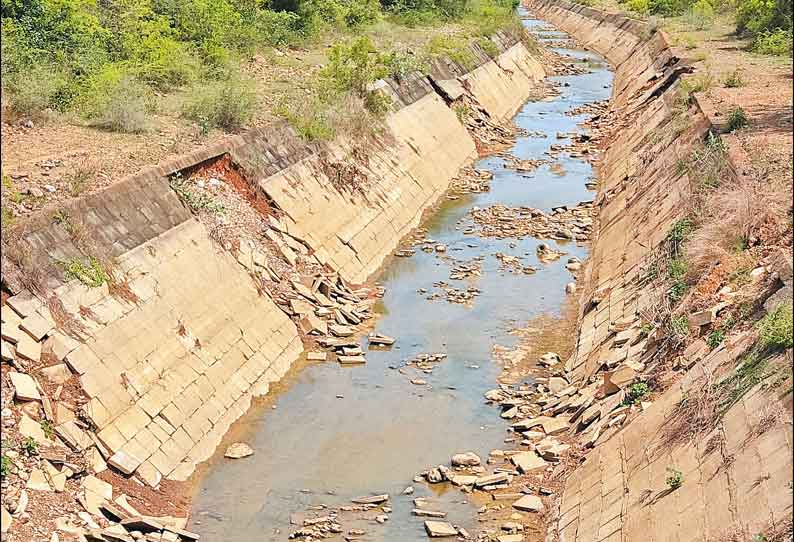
[467, 459]
[238, 450]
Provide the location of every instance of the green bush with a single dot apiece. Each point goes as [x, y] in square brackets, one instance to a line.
[700, 15]
[5, 466]
[228, 104]
[733, 80]
[115, 101]
[776, 328]
[354, 66]
[453, 47]
[675, 479]
[777, 42]
[636, 393]
[737, 119]
[29, 446]
[715, 338]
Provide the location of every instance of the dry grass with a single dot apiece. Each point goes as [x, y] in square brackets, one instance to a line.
[696, 413]
[736, 215]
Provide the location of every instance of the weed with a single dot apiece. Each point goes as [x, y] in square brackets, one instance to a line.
[463, 112]
[679, 326]
[715, 338]
[196, 201]
[6, 218]
[751, 370]
[775, 329]
[692, 85]
[92, 274]
[636, 393]
[676, 271]
[733, 79]
[646, 329]
[122, 107]
[29, 446]
[679, 233]
[47, 427]
[675, 478]
[737, 119]
[5, 465]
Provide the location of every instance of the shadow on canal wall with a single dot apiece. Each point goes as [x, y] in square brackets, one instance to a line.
[736, 472]
[169, 335]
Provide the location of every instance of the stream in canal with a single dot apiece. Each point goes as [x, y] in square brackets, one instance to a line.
[340, 432]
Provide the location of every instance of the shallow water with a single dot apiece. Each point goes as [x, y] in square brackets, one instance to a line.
[315, 448]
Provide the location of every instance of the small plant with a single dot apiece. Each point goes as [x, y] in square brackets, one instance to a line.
[679, 325]
[5, 465]
[29, 446]
[733, 80]
[689, 87]
[680, 232]
[463, 112]
[737, 119]
[636, 393]
[776, 328]
[92, 274]
[196, 201]
[49, 430]
[7, 217]
[646, 329]
[715, 338]
[676, 271]
[675, 479]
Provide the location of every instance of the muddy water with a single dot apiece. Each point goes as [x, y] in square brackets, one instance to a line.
[340, 432]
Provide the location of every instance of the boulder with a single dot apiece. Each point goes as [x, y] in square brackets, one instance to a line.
[466, 459]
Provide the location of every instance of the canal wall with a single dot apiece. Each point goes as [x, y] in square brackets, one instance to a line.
[169, 334]
[736, 477]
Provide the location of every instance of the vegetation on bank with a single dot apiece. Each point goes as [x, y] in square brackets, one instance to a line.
[109, 63]
[767, 22]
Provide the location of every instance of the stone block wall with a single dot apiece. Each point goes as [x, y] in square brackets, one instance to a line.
[736, 479]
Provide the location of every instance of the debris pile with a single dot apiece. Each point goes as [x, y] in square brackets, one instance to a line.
[563, 223]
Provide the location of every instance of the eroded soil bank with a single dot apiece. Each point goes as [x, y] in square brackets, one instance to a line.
[464, 287]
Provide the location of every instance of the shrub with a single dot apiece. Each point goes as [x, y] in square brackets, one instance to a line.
[5, 465]
[636, 393]
[737, 119]
[700, 15]
[228, 104]
[715, 338]
[679, 326]
[49, 430]
[455, 48]
[124, 108]
[31, 92]
[29, 446]
[733, 80]
[777, 42]
[354, 66]
[776, 328]
[675, 479]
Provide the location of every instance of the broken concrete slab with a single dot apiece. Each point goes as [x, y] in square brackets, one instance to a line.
[439, 529]
[528, 462]
[529, 503]
[25, 388]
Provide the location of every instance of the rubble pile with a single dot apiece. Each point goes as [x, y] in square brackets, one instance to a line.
[331, 314]
[563, 223]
